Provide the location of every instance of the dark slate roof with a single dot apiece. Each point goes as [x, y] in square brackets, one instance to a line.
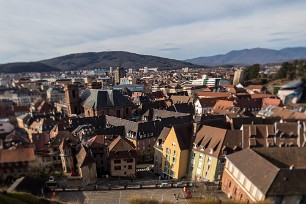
[284, 157]
[182, 108]
[289, 182]
[164, 133]
[106, 98]
[281, 169]
[97, 121]
[154, 114]
[250, 164]
[184, 135]
[130, 87]
[63, 135]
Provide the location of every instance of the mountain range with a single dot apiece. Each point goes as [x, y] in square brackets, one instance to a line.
[252, 56]
[104, 60]
[97, 60]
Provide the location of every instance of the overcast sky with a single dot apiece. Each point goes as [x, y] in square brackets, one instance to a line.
[179, 29]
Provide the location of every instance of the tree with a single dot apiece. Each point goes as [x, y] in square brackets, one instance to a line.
[251, 72]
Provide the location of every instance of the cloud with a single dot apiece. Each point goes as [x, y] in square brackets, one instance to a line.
[169, 49]
[35, 30]
[278, 39]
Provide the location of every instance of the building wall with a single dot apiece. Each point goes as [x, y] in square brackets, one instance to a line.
[238, 187]
[176, 160]
[120, 112]
[5, 126]
[144, 148]
[124, 168]
[18, 169]
[204, 167]
[183, 164]
[72, 99]
[88, 174]
[67, 161]
[238, 77]
[158, 158]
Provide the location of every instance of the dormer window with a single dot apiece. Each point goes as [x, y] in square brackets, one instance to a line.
[292, 134]
[211, 150]
[195, 146]
[282, 135]
[173, 144]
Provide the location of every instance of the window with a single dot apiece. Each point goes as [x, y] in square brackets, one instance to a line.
[235, 190]
[130, 167]
[117, 167]
[174, 153]
[201, 157]
[173, 160]
[239, 175]
[130, 160]
[199, 171]
[244, 182]
[117, 161]
[168, 151]
[229, 183]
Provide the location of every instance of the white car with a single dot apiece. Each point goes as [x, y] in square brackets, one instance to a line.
[178, 184]
[163, 185]
[51, 178]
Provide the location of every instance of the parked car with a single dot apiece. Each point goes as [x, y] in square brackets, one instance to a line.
[191, 184]
[178, 184]
[163, 185]
[51, 178]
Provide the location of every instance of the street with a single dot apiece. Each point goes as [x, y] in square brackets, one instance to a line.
[120, 196]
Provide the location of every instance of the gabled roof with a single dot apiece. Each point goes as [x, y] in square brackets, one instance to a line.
[183, 134]
[284, 157]
[62, 135]
[217, 139]
[121, 144]
[106, 98]
[207, 102]
[84, 157]
[181, 99]
[164, 133]
[96, 141]
[250, 164]
[121, 148]
[281, 169]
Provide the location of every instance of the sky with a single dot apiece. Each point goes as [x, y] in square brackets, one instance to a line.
[32, 30]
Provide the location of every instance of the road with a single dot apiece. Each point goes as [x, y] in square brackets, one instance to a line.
[120, 196]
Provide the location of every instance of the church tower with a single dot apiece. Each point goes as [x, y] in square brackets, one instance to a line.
[72, 99]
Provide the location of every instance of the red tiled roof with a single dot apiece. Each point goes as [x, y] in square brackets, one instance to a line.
[17, 155]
